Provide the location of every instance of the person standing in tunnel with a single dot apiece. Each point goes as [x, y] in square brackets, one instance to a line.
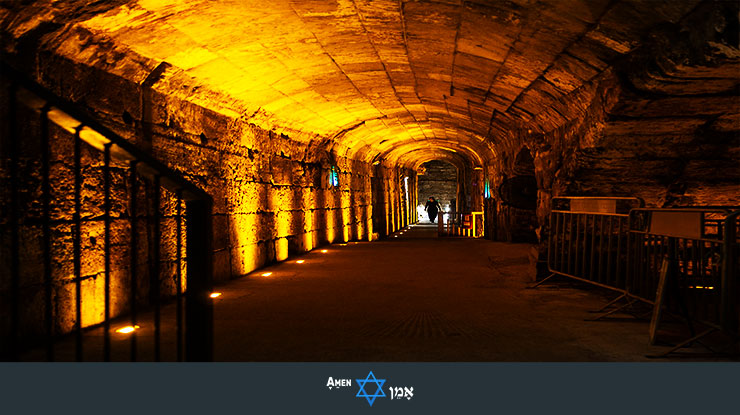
[432, 208]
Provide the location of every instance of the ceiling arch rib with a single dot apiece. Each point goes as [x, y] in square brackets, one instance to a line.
[364, 143]
[423, 157]
[403, 153]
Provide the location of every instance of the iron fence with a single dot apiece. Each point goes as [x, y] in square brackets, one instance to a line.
[64, 288]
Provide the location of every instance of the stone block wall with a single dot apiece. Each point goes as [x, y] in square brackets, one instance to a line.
[60, 292]
[661, 124]
[272, 194]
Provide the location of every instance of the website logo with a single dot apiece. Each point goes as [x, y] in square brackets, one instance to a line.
[371, 388]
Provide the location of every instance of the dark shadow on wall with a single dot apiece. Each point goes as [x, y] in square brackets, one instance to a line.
[378, 202]
[518, 195]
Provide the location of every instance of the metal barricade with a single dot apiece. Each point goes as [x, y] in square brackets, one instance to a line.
[588, 239]
[686, 261]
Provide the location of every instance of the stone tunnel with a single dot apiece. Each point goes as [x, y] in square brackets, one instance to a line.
[318, 131]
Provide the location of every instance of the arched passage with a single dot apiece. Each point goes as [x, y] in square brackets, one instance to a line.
[305, 121]
[437, 179]
[518, 195]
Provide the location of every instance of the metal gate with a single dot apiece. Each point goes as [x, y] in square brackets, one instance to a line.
[65, 292]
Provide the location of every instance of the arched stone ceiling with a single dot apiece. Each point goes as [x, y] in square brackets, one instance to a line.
[403, 80]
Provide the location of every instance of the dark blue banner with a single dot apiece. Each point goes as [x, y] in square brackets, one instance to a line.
[369, 388]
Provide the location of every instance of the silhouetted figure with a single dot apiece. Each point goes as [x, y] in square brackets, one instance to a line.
[432, 208]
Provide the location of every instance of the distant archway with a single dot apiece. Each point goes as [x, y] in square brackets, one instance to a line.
[519, 197]
[436, 179]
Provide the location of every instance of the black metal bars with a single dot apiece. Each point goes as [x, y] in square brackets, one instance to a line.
[701, 251]
[695, 251]
[194, 325]
[587, 237]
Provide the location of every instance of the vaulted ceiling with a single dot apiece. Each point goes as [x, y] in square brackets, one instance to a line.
[402, 80]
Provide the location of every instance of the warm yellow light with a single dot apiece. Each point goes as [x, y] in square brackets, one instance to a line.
[127, 329]
[215, 295]
[701, 287]
[323, 251]
[300, 261]
[267, 274]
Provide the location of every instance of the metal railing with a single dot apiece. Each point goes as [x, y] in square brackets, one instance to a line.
[109, 188]
[469, 225]
[588, 239]
[684, 260]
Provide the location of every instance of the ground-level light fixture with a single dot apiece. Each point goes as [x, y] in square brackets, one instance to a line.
[323, 251]
[266, 274]
[128, 329]
[300, 261]
[215, 295]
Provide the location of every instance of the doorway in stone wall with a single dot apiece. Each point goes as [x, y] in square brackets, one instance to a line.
[439, 180]
[519, 200]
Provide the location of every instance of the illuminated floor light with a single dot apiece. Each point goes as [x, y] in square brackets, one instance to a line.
[323, 251]
[300, 261]
[215, 295]
[266, 274]
[127, 329]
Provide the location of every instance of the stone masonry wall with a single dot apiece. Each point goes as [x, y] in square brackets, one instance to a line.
[272, 193]
[662, 124]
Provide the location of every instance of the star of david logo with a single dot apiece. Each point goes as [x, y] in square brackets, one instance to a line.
[370, 379]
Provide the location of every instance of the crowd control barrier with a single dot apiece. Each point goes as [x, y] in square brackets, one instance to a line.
[682, 260]
[588, 239]
[685, 261]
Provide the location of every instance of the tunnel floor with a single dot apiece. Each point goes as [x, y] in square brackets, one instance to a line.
[415, 297]
[410, 297]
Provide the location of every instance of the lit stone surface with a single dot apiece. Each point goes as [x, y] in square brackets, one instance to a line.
[406, 80]
[255, 101]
